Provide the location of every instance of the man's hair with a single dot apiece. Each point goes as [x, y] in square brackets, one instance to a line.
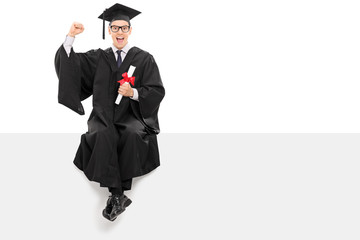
[121, 17]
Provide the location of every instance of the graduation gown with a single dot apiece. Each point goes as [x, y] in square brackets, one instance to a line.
[121, 139]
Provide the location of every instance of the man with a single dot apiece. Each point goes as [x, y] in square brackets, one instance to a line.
[121, 142]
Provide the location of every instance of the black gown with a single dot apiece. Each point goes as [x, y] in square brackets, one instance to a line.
[121, 139]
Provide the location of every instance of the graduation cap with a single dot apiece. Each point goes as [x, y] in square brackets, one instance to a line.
[117, 12]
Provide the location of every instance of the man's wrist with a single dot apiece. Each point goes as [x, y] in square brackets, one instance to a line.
[70, 35]
[135, 94]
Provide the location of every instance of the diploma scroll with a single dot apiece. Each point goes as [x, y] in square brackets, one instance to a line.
[127, 78]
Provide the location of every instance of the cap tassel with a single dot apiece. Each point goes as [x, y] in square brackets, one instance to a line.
[104, 24]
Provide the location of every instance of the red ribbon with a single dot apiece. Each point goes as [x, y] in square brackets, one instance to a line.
[126, 79]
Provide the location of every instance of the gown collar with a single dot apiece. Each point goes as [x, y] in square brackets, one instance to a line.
[110, 57]
[125, 49]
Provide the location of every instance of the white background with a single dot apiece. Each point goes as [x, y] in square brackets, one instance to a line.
[227, 66]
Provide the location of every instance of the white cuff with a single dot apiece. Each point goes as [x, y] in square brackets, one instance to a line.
[136, 95]
[68, 44]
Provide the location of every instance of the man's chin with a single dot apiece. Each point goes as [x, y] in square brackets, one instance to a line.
[119, 46]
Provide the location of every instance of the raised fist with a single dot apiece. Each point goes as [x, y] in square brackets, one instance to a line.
[76, 28]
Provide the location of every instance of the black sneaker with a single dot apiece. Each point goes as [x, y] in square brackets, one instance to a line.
[115, 205]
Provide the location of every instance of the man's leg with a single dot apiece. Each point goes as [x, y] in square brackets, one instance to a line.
[114, 191]
[125, 186]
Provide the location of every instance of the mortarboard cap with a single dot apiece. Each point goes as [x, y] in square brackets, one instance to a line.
[117, 12]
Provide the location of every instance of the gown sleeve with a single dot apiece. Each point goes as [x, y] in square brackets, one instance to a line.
[76, 77]
[151, 92]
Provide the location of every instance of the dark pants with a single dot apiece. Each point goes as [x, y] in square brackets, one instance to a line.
[125, 186]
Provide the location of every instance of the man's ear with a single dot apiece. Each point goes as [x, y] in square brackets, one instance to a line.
[109, 30]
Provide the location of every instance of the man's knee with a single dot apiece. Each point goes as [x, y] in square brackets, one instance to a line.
[132, 132]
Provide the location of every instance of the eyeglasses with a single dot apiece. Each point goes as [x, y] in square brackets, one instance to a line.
[124, 29]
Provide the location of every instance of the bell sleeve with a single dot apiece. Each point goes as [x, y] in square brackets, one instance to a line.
[76, 77]
[151, 92]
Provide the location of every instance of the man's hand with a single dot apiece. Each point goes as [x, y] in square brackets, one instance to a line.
[76, 28]
[126, 90]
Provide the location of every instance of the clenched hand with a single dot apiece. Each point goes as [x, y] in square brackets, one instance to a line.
[126, 90]
[76, 28]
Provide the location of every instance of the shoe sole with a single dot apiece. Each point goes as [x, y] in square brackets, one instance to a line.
[107, 216]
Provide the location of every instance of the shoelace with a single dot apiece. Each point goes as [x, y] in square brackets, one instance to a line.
[116, 200]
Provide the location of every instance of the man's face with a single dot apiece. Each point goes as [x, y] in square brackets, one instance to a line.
[120, 39]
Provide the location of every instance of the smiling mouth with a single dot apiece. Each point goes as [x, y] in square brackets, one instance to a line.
[120, 40]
